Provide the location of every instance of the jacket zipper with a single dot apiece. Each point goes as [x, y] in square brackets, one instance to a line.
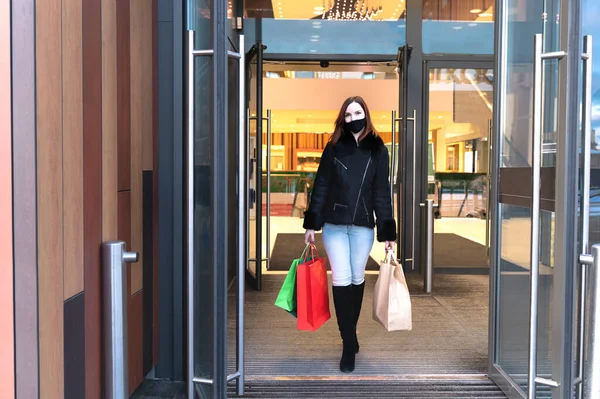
[360, 189]
[366, 211]
[340, 162]
[343, 206]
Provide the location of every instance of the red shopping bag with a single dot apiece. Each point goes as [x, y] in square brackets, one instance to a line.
[312, 296]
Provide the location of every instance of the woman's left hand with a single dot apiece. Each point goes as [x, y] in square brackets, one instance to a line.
[389, 245]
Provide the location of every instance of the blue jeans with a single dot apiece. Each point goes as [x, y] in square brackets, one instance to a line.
[348, 248]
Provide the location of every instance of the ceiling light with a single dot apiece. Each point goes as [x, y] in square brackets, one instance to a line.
[476, 11]
[486, 14]
[319, 8]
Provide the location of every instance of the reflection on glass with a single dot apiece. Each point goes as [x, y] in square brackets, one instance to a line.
[460, 26]
[299, 27]
[590, 26]
[460, 112]
[233, 217]
[253, 174]
[203, 267]
[590, 16]
[513, 294]
[513, 306]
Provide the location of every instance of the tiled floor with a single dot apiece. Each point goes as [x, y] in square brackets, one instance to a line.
[449, 334]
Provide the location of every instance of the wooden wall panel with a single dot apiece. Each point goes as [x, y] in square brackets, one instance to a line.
[49, 197]
[95, 14]
[124, 216]
[137, 11]
[124, 95]
[7, 353]
[72, 167]
[24, 196]
[109, 121]
[147, 85]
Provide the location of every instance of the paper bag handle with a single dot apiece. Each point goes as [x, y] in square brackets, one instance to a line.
[313, 251]
[390, 257]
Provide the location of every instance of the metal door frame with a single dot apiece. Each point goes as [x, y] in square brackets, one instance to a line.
[563, 377]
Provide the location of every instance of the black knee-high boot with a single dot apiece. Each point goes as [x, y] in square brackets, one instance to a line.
[358, 292]
[344, 310]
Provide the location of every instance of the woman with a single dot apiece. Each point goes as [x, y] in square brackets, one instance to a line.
[352, 181]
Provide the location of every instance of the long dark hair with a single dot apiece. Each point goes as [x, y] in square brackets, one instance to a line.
[341, 120]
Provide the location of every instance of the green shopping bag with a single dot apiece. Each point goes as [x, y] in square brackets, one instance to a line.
[286, 299]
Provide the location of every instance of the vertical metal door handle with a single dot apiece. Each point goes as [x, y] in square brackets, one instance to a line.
[535, 208]
[268, 187]
[585, 201]
[242, 207]
[393, 156]
[190, 209]
[489, 179]
[535, 212]
[414, 182]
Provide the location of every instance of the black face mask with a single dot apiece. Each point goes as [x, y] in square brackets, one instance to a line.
[356, 125]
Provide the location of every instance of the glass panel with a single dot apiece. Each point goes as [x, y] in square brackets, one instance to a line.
[458, 27]
[233, 129]
[330, 27]
[590, 26]
[199, 20]
[203, 267]
[513, 293]
[253, 173]
[589, 21]
[460, 111]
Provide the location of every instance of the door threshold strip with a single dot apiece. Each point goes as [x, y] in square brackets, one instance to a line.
[402, 377]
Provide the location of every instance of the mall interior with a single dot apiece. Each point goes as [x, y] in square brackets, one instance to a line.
[192, 130]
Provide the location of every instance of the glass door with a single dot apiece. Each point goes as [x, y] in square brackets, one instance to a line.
[215, 149]
[535, 191]
[254, 127]
[458, 113]
[589, 179]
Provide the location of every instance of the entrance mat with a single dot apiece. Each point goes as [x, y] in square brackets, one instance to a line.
[453, 254]
[289, 246]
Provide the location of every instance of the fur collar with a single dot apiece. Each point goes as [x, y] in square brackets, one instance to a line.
[370, 143]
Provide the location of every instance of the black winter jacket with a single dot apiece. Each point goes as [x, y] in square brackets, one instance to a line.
[353, 181]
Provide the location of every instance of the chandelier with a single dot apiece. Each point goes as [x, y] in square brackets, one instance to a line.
[350, 10]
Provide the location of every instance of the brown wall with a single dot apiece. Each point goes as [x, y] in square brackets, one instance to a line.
[95, 95]
[7, 370]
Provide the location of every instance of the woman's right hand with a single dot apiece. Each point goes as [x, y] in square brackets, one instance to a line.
[309, 236]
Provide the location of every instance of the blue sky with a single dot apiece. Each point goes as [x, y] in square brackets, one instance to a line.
[591, 26]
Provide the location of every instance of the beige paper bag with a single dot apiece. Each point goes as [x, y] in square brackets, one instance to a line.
[391, 299]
